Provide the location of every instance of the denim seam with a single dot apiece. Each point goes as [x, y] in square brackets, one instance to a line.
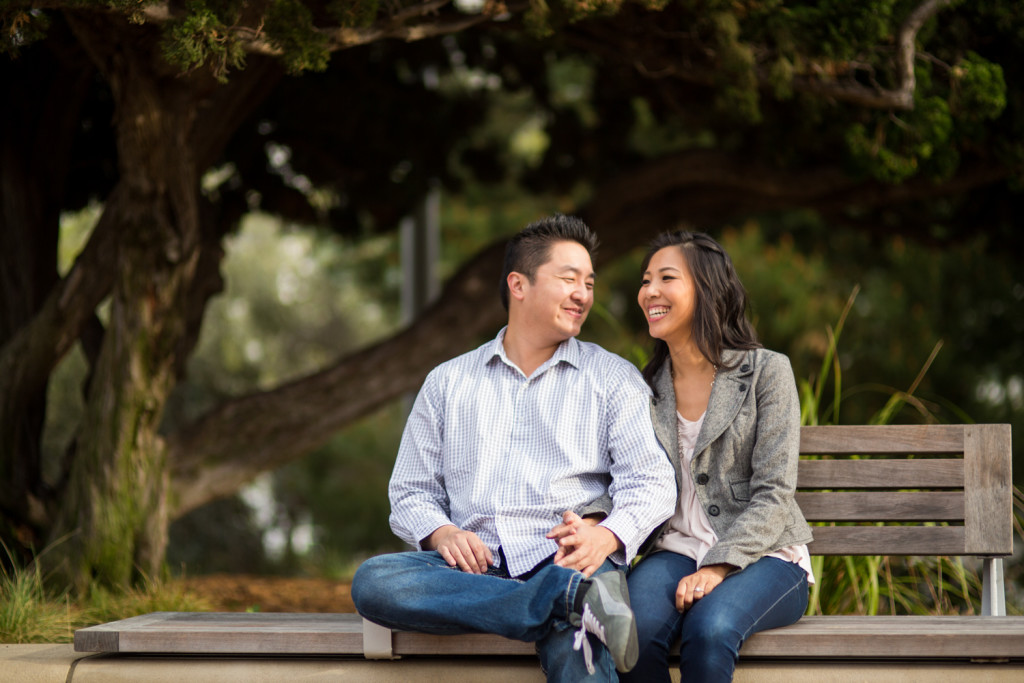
[570, 594]
[760, 617]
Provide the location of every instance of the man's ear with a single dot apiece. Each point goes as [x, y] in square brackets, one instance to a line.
[516, 285]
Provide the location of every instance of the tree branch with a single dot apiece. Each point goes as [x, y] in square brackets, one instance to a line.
[223, 450]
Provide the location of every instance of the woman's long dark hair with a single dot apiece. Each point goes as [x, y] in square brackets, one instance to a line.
[720, 316]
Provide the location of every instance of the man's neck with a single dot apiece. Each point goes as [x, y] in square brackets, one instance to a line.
[527, 353]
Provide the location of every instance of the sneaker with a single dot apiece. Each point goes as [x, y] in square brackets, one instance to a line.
[606, 613]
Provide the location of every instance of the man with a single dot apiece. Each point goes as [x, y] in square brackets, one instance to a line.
[531, 458]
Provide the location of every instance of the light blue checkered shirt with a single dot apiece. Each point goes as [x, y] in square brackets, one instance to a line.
[502, 455]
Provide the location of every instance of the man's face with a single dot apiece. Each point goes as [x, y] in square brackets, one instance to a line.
[562, 292]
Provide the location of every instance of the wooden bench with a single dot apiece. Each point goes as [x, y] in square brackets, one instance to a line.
[937, 490]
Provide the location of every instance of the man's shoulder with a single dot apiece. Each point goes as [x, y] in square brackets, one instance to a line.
[594, 357]
[470, 361]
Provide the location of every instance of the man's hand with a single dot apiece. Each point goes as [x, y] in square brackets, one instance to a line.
[460, 548]
[700, 583]
[582, 544]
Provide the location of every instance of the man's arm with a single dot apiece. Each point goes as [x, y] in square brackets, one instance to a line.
[643, 487]
[419, 499]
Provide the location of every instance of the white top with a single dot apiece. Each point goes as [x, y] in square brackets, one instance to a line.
[690, 532]
[503, 455]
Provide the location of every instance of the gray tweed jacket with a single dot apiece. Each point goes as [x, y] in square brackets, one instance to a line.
[745, 460]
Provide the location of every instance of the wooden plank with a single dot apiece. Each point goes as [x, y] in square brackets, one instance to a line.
[887, 540]
[226, 633]
[896, 474]
[913, 637]
[811, 637]
[412, 643]
[882, 506]
[871, 439]
[988, 485]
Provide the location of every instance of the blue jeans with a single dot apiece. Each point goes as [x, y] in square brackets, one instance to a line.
[418, 591]
[767, 594]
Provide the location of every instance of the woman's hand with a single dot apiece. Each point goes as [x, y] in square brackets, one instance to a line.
[700, 583]
[582, 545]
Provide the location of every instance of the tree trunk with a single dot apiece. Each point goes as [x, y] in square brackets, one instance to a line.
[112, 525]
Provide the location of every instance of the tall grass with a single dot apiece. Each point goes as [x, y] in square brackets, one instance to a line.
[890, 584]
[32, 613]
[28, 613]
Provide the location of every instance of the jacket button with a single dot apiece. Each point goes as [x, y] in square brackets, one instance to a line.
[713, 510]
[743, 387]
[744, 368]
[702, 478]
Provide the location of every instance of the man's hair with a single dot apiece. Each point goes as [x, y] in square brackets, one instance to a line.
[720, 319]
[531, 247]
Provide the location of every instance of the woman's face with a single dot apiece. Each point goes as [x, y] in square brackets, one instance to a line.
[667, 295]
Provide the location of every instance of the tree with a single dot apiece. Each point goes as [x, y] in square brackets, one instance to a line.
[682, 111]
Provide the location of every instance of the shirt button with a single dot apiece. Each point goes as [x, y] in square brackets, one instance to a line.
[702, 478]
[713, 510]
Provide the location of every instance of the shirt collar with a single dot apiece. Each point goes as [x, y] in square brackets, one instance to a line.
[568, 352]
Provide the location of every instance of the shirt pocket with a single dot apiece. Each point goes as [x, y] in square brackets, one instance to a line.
[740, 489]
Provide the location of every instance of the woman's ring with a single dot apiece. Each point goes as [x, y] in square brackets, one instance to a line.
[698, 589]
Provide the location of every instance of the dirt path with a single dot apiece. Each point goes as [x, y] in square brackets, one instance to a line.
[242, 592]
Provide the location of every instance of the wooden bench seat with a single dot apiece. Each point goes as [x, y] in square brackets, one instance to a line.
[814, 637]
[875, 490]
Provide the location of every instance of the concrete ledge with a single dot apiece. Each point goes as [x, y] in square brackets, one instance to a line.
[60, 664]
[38, 663]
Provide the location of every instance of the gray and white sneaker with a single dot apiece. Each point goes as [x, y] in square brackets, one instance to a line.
[606, 613]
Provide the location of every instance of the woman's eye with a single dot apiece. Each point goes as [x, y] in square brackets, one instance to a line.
[645, 282]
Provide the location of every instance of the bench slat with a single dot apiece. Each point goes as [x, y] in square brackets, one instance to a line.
[340, 634]
[892, 636]
[887, 540]
[870, 439]
[893, 474]
[226, 633]
[905, 506]
[988, 485]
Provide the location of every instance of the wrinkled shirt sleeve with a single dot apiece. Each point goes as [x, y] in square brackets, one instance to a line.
[419, 499]
[643, 487]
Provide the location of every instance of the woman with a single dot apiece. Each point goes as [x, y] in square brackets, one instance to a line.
[733, 559]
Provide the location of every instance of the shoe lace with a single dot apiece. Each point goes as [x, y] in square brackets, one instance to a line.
[588, 623]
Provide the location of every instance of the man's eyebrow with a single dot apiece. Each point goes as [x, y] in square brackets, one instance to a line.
[576, 271]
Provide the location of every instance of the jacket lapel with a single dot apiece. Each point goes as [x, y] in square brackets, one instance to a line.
[663, 415]
[726, 396]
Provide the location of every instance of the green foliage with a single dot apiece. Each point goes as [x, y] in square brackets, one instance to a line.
[290, 27]
[32, 613]
[839, 30]
[204, 36]
[896, 149]
[737, 94]
[979, 89]
[28, 612]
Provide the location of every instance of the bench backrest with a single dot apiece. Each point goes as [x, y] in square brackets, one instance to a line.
[908, 490]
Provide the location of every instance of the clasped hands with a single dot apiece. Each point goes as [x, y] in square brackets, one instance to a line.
[582, 545]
